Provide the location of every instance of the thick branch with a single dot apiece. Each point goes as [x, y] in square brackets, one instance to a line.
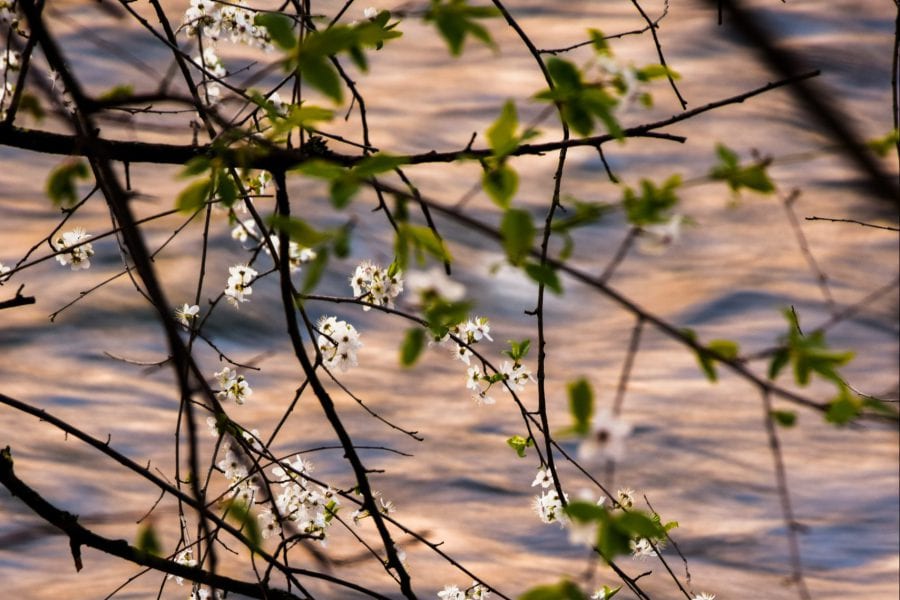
[80, 536]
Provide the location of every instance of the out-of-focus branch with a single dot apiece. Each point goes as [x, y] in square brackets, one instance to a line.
[814, 98]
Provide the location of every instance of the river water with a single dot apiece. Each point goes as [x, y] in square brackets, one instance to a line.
[698, 450]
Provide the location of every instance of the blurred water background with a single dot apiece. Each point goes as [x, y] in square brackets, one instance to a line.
[699, 451]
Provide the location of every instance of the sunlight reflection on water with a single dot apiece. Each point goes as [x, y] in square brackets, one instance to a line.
[699, 451]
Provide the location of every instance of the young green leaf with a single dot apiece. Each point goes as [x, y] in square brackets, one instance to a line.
[517, 350]
[314, 270]
[785, 418]
[581, 103]
[518, 443]
[280, 28]
[884, 145]
[119, 92]
[241, 513]
[147, 540]
[421, 240]
[726, 348]
[194, 196]
[376, 164]
[544, 275]
[500, 182]
[654, 204]
[844, 408]
[455, 20]
[501, 134]
[413, 344]
[581, 405]
[752, 177]
[564, 590]
[518, 233]
[62, 187]
[299, 230]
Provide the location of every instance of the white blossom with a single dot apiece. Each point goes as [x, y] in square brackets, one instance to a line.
[77, 257]
[186, 313]
[238, 287]
[606, 438]
[338, 343]
[375, 285]
[233, 387]
[434, 282]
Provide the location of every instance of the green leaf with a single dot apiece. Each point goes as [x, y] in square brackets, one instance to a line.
[421, 240]
[609, 592]
[616, 530]
[501, 134]
[280, 28]
[581, 103]
[884, 145]
[726, 348]
[320, 73]
[517, 350]
[565, 75]
[299, 230]
[147, 540]
[518, 233]
[544, 275]
[598, 41]
[780, 360]
[753, 177]
[195, 166]
[844, 408]
[500, 182]
[580, 214]
[455, 20]
[651, 72]
[584, 512]
[785, 418]
[194, 196]
[226, 189]
[29, 103]
[119, 92]
[247, 522]
[314, 270]
[654, 204]
[413, 344]
[376, 164]
[518, 443]
[302, 117]
[564, 590]
[62, 187]
[441, 315]
[581, 404]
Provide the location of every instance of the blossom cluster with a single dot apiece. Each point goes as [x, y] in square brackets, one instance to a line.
[384, 506]
[308, 507]
[475, 592]
[338, 343]
[3, 273]
[233, 387]
[9, 67]
[231, 20]
[8, 12]
[241, 485]
[72, 250]
[547, 504]
[297, 255]
[184, 558]
[375, 285]
[238, 287]
[209, 61]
